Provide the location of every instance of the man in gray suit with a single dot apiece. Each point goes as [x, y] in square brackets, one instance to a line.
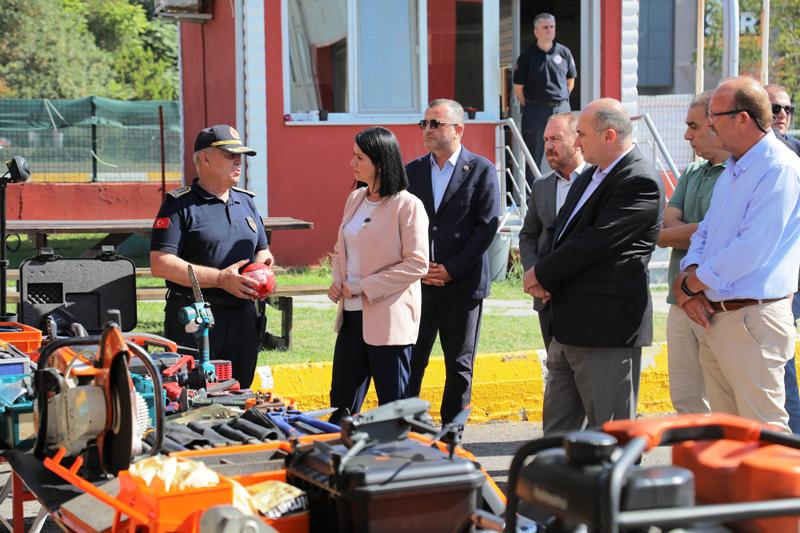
[547, 196]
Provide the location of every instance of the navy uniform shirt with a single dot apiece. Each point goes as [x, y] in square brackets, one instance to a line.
[544, 74]
[200, 228]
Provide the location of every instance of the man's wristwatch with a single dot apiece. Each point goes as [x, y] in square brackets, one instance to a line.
[685, 288]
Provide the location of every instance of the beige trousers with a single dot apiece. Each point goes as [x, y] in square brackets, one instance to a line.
[687, 388]
[743, 355]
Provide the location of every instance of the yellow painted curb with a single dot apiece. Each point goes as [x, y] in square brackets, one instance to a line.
[506, 386]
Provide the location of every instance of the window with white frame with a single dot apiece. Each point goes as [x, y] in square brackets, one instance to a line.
[332, 42]
[364, 59]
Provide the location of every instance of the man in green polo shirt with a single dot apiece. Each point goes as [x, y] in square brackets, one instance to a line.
[686, 208]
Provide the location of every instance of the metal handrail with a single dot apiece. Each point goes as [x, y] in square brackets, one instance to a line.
[518, 137]
[519, 166]
[659, 142]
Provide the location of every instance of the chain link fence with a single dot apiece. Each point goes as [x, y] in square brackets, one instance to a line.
[668, 113]
[92, 139]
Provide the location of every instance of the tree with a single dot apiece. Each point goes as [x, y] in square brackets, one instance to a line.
[784, 68]
[47, 51]
[144, 53]
[784, 32]
[77, 48]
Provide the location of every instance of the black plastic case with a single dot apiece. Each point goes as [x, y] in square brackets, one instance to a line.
[77, 289]
[399, 487]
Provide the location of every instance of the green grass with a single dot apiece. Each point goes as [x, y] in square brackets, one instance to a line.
[313, 336]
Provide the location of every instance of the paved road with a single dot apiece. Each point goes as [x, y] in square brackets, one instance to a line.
[494, 444]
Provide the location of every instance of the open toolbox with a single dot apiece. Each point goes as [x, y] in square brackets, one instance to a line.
[24, 337]
[16, 408]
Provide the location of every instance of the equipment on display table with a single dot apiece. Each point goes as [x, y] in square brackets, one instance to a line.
[86, 403]
[726, 470]
[376, 475]
[198, 319]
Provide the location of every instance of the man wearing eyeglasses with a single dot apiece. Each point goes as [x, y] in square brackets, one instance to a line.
[544, 76]
[462, 199]
[741, 268]
[782, 112]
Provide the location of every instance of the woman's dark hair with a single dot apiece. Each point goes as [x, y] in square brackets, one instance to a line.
[380, 145]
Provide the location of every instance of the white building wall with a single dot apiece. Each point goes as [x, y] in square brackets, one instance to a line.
[252, 96]
[630, 52]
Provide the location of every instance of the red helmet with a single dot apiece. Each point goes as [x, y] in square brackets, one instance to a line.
[263, 275]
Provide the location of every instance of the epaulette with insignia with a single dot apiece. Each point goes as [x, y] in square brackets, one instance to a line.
[180, 191]
[249, 193]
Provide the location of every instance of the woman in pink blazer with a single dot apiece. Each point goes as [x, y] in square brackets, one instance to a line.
[380, 255]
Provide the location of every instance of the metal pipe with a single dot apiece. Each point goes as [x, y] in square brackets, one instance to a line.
[765, 42]
[730, 31]
[518, 137]
[725, 512]
[3, 261]
[517, 166]
[163, 162]
[93, 111]
[663, 147]
[699, 69]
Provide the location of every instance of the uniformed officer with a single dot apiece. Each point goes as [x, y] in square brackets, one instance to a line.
[215, 227]
[544, 76]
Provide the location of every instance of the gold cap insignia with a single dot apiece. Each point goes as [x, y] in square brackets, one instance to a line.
[234, 134]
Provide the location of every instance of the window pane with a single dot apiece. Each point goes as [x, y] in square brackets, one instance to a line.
[387, 57]
[455, 51]
[318, 55]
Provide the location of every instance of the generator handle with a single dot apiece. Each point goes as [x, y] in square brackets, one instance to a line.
[631, 453]
[666, 431]
[529, 448]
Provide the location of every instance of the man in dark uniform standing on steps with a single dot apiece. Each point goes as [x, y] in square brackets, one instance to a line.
[544, 75]
[215, 227]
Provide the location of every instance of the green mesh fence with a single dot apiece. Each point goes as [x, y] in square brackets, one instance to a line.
[92, 139]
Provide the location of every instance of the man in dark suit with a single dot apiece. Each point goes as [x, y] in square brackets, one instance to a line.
[547, 196]
[596, 276]
[461, 196]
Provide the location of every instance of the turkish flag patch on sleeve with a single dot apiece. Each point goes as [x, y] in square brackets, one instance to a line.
[161, 223]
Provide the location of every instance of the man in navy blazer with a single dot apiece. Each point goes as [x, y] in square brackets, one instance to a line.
[596, 276]
[461, 196]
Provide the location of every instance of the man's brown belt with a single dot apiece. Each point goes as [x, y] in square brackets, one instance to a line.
[733, 305]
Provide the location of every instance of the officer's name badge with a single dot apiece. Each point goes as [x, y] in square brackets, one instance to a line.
[252, 224]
